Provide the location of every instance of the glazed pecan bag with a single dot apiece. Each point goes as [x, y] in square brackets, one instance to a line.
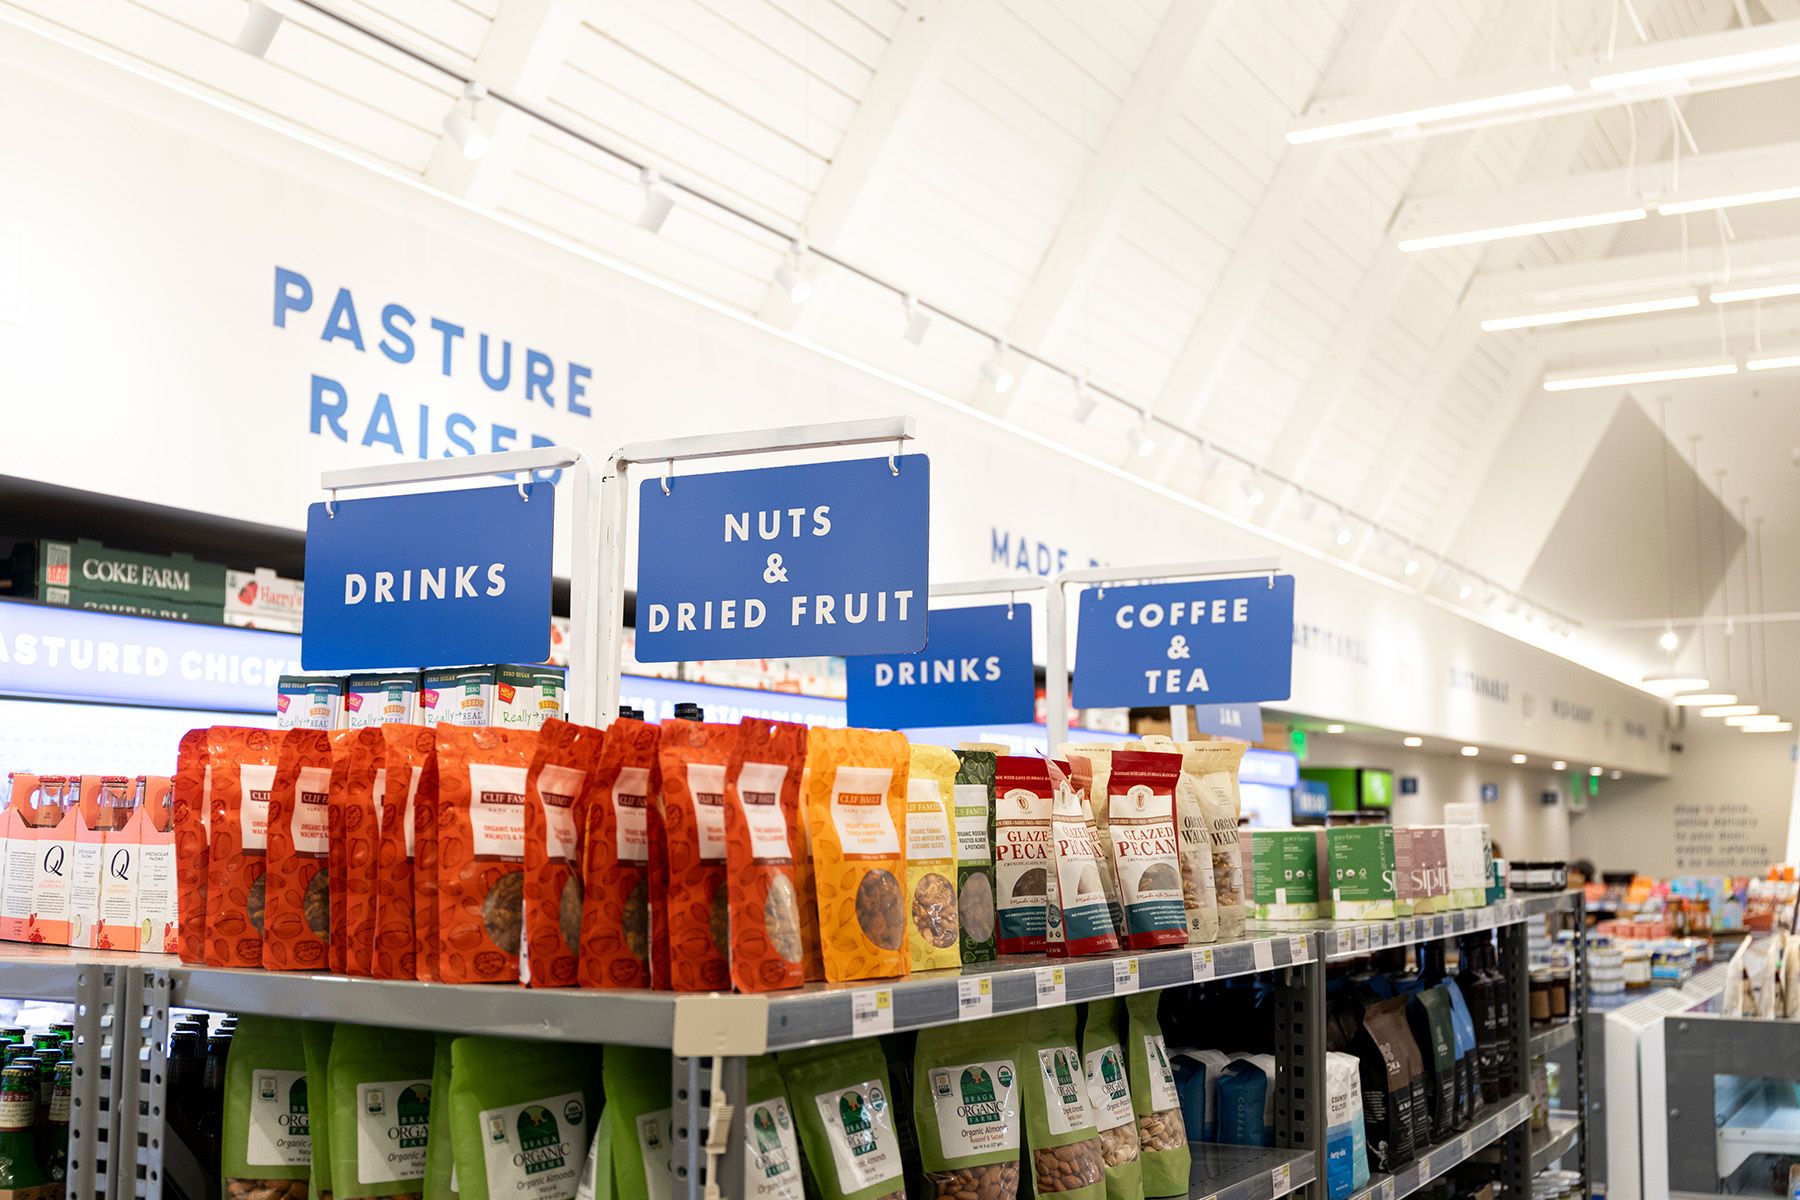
[1022, 861]
[193, 787]
[242, 763]
[298, 926]
[694, 756]
[554, 790]
[762, 809]
[615, 859]
[358, 779]
[409, 768]
[480, 846]
[855, 809]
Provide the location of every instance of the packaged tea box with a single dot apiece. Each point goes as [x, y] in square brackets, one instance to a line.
[1361, 871]
[1283, 870]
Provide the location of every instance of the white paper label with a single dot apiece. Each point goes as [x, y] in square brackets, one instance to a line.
[1162, 1075]
[558, 788]
[1263, 953]
[656, 1148]
[1203, 963]
[975, 998]
[1278, 1180]
[872, 1011]
[977, 1112]
[497, 811]
[1125, 976]
[630, 801]
[279, 1126]
[312, 812]
[1109, 1089]
[771, 1153]
[1065, 1089]
[971, 803]
[859, 812]
[927, 830]
[533, 1151]
[255, 780]
[393, 1120]
[706, 783]
[859, 1125]
[1297, 951]
[759, 790]
[1050, 989]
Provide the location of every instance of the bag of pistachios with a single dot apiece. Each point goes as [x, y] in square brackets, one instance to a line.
[267, 1129]
[1109, 1091]
[1065, 1156]
[965, 1106]
[521, 1114]
[380, 1111]
[1162, 1137]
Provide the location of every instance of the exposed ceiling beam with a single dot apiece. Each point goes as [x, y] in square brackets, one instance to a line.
[1710, 329]
[1187, 34]
[520, 56]
[1240, 287]
[1739, 264]
[897, 96]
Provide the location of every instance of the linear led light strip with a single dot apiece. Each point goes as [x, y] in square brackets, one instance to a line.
[1467, 237]
[1779, 361]
[1595, 312]
[1739, 63]
[1765, 291]
[1620, 376]
[1415, 117]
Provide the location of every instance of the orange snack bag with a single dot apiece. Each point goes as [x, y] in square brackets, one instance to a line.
[480, 842]
[657, 831]
[298, 926]
[694, 756]
[425, 870]
[762, 811]
[615, 859]
[555, 796]
[193, 787]
[855, 809]
[812, 959]
[358, 780]
[242, 763]
[408, 757]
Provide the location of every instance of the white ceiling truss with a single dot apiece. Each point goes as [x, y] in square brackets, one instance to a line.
[1109, 190]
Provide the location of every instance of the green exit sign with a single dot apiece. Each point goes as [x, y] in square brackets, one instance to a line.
[1297, 738]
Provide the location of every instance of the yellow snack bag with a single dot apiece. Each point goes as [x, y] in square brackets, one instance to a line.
[931, 920]
[856, 786]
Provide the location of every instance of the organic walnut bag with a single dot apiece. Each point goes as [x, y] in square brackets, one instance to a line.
[855, 809]
[931, 919]
[694, 756]
[380, 1104]
[1109, 1091]
[521, 1117]
[762, 811]
[965, 1107]
[266, 1135]
[555, 791]
[242, 765]
[358, 780]
[298, 924]
[410, 767]
[844, 1111]
[481, 852]
[1214, 766]
[192, 798]
[975, 908]
[1064, 1152]
[615, 859]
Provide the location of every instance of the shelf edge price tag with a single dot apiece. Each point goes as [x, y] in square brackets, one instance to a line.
[975, 997]
[1297, 948]
[1262, 953]
[1051, 990]
[1468, 1146]
[1278, 1180]
[1359, 938]
[872, 1011]
[1387, 1189]
[1203, 964]
[1125, 976]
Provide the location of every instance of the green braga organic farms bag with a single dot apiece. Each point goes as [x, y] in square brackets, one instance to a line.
[1109, 1091]
[844, 1111]
[1162, 1138]
[1065, 1151]
[316, 1037]
[380, 1083]
[267, 1131]
[637, 1108]
[521, 1117]
[440, 1155]
[966, 1109]
[974, 798]
[771, 1148]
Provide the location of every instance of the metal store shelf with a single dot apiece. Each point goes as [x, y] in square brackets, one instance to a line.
[30, 972]
[1439, 1158]
[1346, 939]
[1554, 1037]
[1539, 903]
[1247, 1172]
[1548, 1146]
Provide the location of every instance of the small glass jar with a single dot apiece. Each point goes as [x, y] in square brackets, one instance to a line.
[1540, 996]
[1560, 982]
[1637, 967]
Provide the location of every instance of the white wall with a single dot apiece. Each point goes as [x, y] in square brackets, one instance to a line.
[1724, 811]
[1522, 826]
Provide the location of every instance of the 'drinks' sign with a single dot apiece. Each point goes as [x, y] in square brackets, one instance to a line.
[1223, 641]
[975, 670]
[821, 558]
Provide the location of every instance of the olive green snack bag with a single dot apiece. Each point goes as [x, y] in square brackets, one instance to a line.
[440, 1155]
[637, 1110]
[1109, 1091]
[965, 1108]
[771, 1149]
[520, 1117]
[597, 1172]
[844, 1111]
[380, 1082]
[267, 1131]
[1065, 1156]
[973, 795]
[1162, 1137]
[316, 1037]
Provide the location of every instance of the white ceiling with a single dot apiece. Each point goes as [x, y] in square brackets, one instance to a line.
[1107, 185]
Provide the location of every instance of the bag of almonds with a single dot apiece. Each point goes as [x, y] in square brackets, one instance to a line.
[1162, 1137]
[771, 1153]
[965, 1107]
[266, 1136]
[1066, 1156]
[844, 1112]
[1109, 1091]
[316, 1037]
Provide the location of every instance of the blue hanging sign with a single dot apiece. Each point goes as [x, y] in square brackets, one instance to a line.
[1241, 721]
[1217, 641]
[820, 558]
[432, 579]
[975, 670]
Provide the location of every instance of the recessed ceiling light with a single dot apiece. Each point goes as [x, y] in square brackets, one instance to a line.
[1730, 710]
[1334, 728]
[1775, 727]
[1414, 742]
[1668, 685]
[1519, 760]
[1559, 765]
[1470, 751]
[1621, 375]
[1595, 771]
[1703, 699]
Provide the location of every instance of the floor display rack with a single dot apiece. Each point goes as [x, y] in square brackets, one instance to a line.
[123, 1008]
[1729, 1086]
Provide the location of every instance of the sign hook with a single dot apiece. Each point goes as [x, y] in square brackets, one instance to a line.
[1010, 596]
[893, 465]
[331, 505]
[523, 494]
[668, 473]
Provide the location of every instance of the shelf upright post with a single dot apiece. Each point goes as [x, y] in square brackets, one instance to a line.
[1515, 968]
[1578, 1010]
[1300, 1071]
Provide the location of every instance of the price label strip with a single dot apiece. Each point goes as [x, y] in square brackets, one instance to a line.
[1203, 964]
[1468, 1146]
[1278, 1180]
[1297, 948]
[1051, 990]
[1125, 976]
[1387, 1189]
[872, 1011]
[1262, 952]
[975, 998]
[1359, 938]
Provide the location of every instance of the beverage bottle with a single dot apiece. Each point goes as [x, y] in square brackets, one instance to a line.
[11, 1035]
[17, 1050]
[64, 1030]
[185, 1066]
[47, 1063]
[45, 1040]
[18, 1114]
[56, 1149]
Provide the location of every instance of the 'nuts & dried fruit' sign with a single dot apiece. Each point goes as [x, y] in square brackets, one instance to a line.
[819, 558]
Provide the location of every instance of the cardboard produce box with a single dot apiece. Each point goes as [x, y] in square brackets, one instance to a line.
[261, 599]
[94, 570]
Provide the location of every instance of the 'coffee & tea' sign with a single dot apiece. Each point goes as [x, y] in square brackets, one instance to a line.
[1218, 641]
[819, 558]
